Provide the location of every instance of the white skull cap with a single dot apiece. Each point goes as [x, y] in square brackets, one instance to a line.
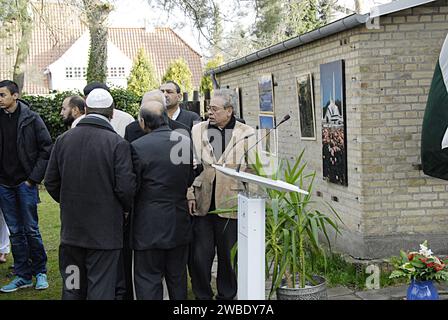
[99, 99]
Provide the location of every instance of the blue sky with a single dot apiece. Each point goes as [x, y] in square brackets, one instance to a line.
[326, 81]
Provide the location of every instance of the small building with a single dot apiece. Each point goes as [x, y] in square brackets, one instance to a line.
[356, 90]
[59, 49]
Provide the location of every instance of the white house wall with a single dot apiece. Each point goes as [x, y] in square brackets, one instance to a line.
[68, 72]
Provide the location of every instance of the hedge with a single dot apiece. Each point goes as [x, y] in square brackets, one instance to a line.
[49, 107]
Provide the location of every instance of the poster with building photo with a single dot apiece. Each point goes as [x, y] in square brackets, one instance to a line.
[266, 93]
[334, 139]
[268, 144]
[305, 102]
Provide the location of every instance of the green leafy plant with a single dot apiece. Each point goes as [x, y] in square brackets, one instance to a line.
[179, 72]
[49, 106]
[143, 76]
[421, 265]
[293, 225]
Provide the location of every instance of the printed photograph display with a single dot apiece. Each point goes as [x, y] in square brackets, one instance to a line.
[269, 144]
[305, 101]
[334, 141]
[266, 93]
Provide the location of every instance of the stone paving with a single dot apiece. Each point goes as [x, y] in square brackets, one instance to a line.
[388, 293]
[344, 293]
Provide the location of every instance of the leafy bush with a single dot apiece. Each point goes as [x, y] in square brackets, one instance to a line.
[143, 76]
[49, 107]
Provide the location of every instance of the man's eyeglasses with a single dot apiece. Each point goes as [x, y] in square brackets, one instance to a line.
[213, 109]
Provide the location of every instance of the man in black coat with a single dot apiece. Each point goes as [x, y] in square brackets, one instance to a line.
[173, 97]
[25, 146]
[90, 174]
[161, 225]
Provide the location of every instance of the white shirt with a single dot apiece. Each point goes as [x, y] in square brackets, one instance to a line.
[120, 121]
[75, 123]
[176, 114]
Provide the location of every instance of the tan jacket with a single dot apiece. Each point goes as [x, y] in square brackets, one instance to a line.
[227, 188]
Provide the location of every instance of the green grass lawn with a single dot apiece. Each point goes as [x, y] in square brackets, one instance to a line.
[49, 224]
[339, 272]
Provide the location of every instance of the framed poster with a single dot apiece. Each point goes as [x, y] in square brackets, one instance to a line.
[305, 102]
[268, 144]
[334, 138]
[266, 93]
[238, 109]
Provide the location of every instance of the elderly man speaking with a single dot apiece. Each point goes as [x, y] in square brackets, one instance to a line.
[220, 140]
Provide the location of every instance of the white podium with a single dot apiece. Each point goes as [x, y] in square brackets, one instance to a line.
[251, 233]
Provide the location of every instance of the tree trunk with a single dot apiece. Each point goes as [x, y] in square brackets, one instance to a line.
[97, 12]
[23, 47]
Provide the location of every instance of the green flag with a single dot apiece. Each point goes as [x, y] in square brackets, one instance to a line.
[434, 149]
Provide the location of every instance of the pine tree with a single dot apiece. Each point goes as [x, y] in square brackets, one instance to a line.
[179, 72]
[142, 77]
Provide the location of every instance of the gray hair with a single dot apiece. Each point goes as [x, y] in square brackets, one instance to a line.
[228, 95]
[154, 95]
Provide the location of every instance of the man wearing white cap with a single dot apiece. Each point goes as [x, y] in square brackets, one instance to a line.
[90, 173]
[120, 119]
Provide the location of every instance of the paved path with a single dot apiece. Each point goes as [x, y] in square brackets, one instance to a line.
[388, 293]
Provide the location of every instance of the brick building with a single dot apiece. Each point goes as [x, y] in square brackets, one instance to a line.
[388, 203]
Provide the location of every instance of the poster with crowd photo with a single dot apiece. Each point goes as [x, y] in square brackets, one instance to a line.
[266, 93]
[305, 102]
[334, 138]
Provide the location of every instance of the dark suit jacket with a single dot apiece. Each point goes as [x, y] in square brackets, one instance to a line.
[133, 130]
[188, 118]
[161, 219]
[90, 174]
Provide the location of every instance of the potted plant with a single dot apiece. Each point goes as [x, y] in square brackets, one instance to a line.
[293, 227]
[421, 268]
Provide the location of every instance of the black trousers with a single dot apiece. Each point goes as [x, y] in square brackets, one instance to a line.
[124, 289]
[88, 274]
[212, 234]
[150, 266]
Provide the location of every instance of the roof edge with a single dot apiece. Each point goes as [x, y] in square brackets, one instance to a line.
[346, 23]
[343, 24]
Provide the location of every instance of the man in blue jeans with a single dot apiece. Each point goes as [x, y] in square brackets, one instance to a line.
[25, 146]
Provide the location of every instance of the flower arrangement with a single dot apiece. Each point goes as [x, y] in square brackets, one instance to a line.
[421, 266]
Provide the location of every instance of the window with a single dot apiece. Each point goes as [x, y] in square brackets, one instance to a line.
[75, 72]
[68, 72]
[116, 72]
[121, 72]
[113, 72]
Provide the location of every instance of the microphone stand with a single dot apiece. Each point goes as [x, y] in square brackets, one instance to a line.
[285, 118]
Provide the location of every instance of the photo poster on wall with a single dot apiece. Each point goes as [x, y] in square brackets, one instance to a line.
[238, 109]
[266, 93]
[334, 137]
[268, 144]
[305, 103]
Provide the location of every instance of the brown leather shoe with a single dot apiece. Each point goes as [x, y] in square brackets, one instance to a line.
[3, 257]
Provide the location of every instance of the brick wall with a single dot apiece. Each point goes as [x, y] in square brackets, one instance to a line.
[388, 204]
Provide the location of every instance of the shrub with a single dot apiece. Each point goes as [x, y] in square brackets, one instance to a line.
[49, 107]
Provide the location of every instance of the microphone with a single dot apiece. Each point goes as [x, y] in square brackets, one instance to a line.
[233, 146]
[285, 118]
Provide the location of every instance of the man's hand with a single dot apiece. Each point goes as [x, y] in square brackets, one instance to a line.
[191, 207]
